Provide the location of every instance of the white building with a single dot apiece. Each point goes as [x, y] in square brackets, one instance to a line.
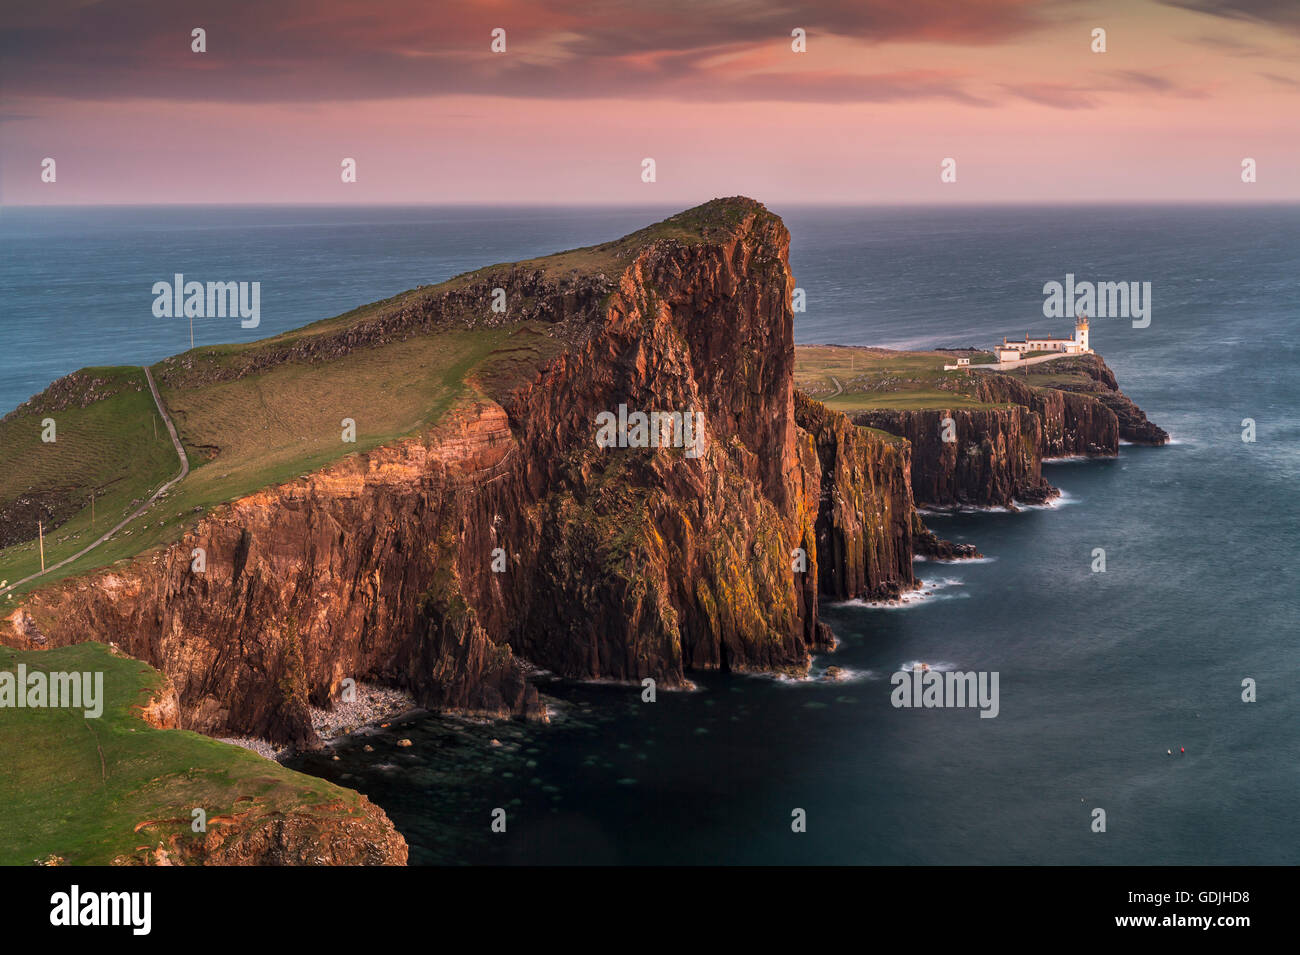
[1014, 350]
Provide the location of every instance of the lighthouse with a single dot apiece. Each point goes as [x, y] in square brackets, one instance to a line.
[1081, 333]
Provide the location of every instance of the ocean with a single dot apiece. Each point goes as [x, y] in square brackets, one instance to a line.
[1101, 674]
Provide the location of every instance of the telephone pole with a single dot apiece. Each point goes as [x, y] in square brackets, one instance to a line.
[40, 530]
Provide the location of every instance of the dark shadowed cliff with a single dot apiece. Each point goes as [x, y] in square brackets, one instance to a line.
[1068, 407]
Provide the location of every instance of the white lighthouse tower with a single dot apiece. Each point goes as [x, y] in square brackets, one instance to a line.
[1081, 333]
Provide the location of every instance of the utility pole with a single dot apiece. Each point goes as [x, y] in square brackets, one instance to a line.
[40, 530]
[92, 510]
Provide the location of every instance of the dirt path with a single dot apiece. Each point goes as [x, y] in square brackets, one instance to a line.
[185, 469]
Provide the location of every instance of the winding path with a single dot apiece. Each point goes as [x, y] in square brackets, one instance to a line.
[185, 469]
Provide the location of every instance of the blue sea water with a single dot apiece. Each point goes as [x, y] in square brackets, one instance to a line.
[1100, 673]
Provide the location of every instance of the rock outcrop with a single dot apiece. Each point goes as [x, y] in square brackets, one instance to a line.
[995, 457]
[1071, 424]
[1093, 378]
[865, 519]
[329, 834]
[506, 537]
[506, 534]
[163, 709]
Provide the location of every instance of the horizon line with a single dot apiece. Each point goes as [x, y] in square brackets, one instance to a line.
[527, 204]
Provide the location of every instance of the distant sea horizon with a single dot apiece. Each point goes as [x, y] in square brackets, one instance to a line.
[63, 266]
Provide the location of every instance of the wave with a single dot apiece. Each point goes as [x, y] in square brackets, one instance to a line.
[817, 676]
[941, 667]
[1061, 500]
[929, 591]
[1172, 441]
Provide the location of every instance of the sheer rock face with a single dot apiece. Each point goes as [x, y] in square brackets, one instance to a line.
[348, 572]
[1072, 424]
[1095, 380]
[865, 519]
[610, 562]
[996, 457]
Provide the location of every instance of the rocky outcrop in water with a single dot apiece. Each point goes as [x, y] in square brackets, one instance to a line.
[996, 456]
[1072, 424]
[1098, 381]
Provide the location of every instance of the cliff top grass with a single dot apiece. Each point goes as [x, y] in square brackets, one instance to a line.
[84, 791]
[709, 221]
[241, 435]
[256, 414]
[108, 441]
[850, 378]
[1072, 373]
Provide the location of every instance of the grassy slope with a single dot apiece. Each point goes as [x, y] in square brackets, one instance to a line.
[263, 429]
[875, 378]
[116, 448]
[59, 798]
[274, 424]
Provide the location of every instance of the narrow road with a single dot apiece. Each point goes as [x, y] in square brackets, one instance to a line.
[839, 389]
[1012, 366]
[185, 469]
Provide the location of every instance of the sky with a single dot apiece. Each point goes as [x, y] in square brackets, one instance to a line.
[713, 92]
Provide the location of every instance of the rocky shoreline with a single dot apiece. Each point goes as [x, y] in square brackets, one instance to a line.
[374, 705]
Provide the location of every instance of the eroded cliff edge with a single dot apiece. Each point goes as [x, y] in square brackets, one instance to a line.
[620, 563]
[504, 537]
[1070, 407]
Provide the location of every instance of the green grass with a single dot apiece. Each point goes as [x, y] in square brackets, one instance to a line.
[884, 435]
[115, 448]
[261, 413]
[876, 378]
[1067, 374]
[62, 798]
[268, 428]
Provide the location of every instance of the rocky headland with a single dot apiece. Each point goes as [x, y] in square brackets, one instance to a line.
[503, 537]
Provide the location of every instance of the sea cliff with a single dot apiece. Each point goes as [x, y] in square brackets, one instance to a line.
[505, 534]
